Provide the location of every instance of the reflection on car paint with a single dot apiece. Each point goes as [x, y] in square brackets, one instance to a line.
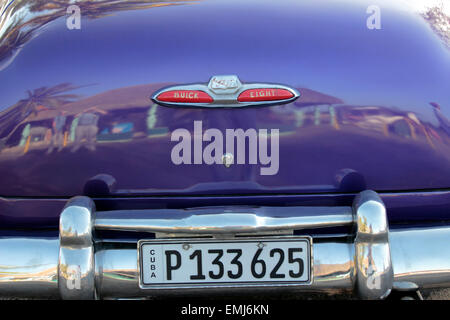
[377, 113]
[78, 125]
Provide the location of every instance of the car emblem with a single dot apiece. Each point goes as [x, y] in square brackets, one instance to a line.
[225, 91]
[224, 84]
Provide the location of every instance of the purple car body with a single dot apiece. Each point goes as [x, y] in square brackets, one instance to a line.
[373, 111]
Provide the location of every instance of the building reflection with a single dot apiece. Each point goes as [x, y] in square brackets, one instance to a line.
[51, 119]
[84, 129]
[101, 132]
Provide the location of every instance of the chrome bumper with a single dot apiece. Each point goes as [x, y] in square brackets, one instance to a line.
[371, 263]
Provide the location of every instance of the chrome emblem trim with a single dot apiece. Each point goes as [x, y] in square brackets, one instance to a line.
[228, 159]
[224, 84]
[224, 90]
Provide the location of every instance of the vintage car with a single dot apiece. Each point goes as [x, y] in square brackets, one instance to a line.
[159, 148]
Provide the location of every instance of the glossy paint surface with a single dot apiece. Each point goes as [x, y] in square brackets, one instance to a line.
[402, 208]
[373, 112]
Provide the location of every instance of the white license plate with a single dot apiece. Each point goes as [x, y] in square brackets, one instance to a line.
[215, 262]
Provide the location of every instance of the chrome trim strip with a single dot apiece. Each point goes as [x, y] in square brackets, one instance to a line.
[418, 255]
[374, 275]
[227, 98]
[403, 259]
[29, 267]
[76, 254]
[422, 256]
[224, 220]
[334, 267]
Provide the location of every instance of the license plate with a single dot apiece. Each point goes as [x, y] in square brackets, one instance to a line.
[220, 262]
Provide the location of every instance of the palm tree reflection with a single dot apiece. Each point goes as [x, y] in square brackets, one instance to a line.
[40, 99]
